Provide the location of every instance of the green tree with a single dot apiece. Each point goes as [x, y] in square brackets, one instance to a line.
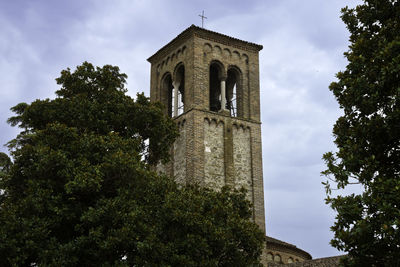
[367, 136]
[80, 190]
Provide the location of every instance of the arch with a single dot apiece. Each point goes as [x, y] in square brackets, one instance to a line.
[240, 126]
[216, 74]
[166, 93]
[236, 55]
[270, 257]
[165, 75]
[234, 91]
[217, 50]
[245, 58]
[277, 258]
[179, 80]
[179, 72]
[227, 53]
[216, 121]
[207, 48]
[220, 67]
[290, 260]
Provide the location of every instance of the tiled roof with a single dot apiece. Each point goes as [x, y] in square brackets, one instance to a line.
[199, 30]
[277, 241]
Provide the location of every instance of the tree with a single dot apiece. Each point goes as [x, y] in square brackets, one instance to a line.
[80, 190]
[367, 136]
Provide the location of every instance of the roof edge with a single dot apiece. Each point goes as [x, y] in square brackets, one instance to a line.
[194, 29]
[179, 36]
[279, 243]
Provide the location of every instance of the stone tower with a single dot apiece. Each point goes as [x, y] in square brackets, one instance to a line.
[209, 83]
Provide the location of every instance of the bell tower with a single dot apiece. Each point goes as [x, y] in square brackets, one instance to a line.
[209, 83]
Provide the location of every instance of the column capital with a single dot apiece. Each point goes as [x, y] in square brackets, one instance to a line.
[176, 84]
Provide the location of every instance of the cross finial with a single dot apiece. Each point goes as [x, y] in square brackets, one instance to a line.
[202, 19]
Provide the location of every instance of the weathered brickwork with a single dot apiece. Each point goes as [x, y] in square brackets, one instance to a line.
[214, 165]
[180, 155]
[242, 159]
[321, 262]
[281, 252]
[214, 148]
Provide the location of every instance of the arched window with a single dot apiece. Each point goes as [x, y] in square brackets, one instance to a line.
[290, 260]
[215, 87]
[173, 91]
[180, 83]
[232, 88]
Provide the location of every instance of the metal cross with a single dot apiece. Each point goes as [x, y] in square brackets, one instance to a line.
[202, 19]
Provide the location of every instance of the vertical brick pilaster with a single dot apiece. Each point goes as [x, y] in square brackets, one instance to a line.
[228, 153]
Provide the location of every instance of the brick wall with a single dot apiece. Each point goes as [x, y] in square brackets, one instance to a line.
[214, 148]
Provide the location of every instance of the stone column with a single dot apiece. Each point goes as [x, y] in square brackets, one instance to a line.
[223, 94]
[176, 88]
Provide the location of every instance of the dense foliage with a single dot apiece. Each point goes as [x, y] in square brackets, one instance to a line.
[80, 190]
[368, 137]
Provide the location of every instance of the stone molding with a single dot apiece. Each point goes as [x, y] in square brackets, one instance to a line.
[280, 246]
[204, 34]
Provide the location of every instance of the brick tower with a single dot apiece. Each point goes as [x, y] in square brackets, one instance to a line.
[209, 83]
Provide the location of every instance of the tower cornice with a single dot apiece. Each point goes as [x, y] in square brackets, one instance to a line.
[194, 30]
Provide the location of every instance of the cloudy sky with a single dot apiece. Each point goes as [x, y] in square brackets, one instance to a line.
[303, 44]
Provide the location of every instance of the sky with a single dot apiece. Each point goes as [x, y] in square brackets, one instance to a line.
[303, 41]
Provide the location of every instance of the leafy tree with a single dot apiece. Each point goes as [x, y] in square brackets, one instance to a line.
[80, 190]
[368, 137]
